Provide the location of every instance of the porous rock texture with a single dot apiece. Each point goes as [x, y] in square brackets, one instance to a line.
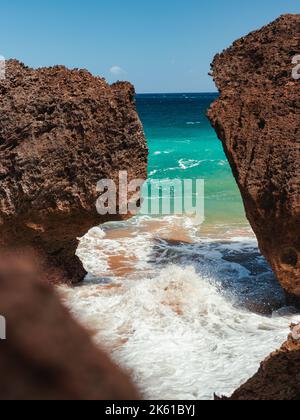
[278, 378]
[62, 131]
[47, 355]
[257, 117]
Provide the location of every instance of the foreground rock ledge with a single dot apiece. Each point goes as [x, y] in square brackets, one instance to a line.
[61, 131]
[257, 117]
[278, 377]
[47, 355]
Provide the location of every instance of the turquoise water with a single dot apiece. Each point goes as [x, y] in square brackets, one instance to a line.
[183, 144]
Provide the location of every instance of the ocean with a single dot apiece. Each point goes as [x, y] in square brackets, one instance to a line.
[183, 145]
[187, 310]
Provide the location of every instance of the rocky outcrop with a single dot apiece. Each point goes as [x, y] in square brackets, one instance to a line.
[61, 131]
[278, 377]
[47, 355]
[257, 117]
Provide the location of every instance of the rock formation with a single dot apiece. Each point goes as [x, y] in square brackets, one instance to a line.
[278, 377]
[61, 131]
[257, 117]
[47, 355]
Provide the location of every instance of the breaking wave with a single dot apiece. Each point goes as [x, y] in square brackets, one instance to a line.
[186, 316]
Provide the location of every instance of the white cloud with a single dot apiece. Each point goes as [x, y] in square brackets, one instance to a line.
[117, 71]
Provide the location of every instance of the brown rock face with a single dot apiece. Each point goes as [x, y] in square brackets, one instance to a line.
[47, 355]
[278, 377]
[61, 131]
[257, 117]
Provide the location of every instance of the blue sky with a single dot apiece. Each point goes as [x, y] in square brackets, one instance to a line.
[159, 45]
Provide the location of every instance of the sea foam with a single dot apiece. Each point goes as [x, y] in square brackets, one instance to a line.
[171, 319]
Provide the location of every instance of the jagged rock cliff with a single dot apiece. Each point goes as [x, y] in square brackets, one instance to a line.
[257, 117]
[47, 355]
[61, 131]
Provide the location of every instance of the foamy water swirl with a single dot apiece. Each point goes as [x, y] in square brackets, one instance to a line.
[171, 326]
